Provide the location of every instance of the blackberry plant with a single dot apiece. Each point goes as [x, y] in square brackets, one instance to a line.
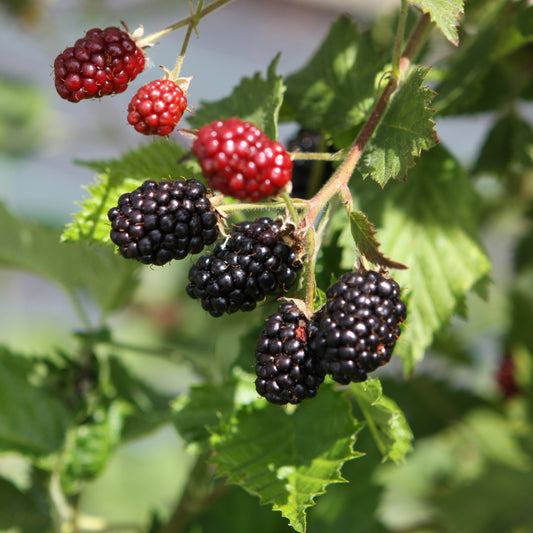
[262, 340]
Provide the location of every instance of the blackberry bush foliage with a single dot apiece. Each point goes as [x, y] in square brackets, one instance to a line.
[293, 274]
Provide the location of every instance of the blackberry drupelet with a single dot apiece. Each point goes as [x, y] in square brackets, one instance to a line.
[357, 330]
[287, 372]
[161, 221]
[253, 262]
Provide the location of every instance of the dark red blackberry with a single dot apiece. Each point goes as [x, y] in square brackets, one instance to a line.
[254, 261]
[103, 62]
[357, 330]
[165, 220]
[304, 181]
[287, 372]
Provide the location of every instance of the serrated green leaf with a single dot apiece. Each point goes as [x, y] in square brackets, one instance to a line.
[364, 236]
[158, 160]
[445, 14]
[255, 100]
[336, 89]
[293, 461]
[430, 225]
[76, 267]
[386, 421]
[404, 131]
[197, 413]
[32, 420]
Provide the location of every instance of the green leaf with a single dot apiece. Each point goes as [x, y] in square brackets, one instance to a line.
[157, 160]
[287, 459]
[508, 148]
[32, 420]
[385, 419]
[197, 413]
[255, 100]
[404, 131]
[27, 510]
[76, 267]
[487, 72]
[89, 446]
[430, 225]
[364, 236]
[147, 407]
[336, 89]
[445, 14]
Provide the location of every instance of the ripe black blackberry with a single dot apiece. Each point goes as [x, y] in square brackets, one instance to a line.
[254, 261]
[357, 329]
[161, 221]
[302, 170]
[287, 372]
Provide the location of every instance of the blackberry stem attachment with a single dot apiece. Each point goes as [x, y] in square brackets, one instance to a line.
[289, 203]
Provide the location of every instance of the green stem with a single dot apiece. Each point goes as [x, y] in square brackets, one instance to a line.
[318, 156]
[400, 31]
[195, 18]
[289, 204]
[145, 41]
[297, 203]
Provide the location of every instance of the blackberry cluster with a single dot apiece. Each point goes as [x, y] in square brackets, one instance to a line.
[254, 261]
[357, 331]
[302, 170]
[161, 221]
[103, 62]
[287, 372]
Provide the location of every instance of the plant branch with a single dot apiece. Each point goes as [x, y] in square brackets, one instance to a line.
[344, 172]
[149, 39]
[397, 52]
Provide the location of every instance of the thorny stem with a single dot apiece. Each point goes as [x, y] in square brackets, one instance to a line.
[145, 41]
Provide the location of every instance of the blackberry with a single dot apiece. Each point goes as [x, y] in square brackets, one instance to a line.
[357, 329]
[287, 372]
[103, 62]
[161, 221]
[304, 182]
[252, 262]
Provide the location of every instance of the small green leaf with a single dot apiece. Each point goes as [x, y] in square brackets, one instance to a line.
[197, 413]
[364, 236]
[287, 459]
[445, 14]
[404, 131]
[255, 100]
[336, 89]
[386, 421]
[89, 446]
[32, 420]
[158, 160]
[76, 267]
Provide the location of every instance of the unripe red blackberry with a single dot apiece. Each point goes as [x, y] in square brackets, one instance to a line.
[253, 262]
[157, 107]
[161, 221]
[241, 161]
[287, 371]
[103, 62]
[357, 330]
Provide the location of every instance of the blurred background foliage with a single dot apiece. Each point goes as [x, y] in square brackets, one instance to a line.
[469, 402]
